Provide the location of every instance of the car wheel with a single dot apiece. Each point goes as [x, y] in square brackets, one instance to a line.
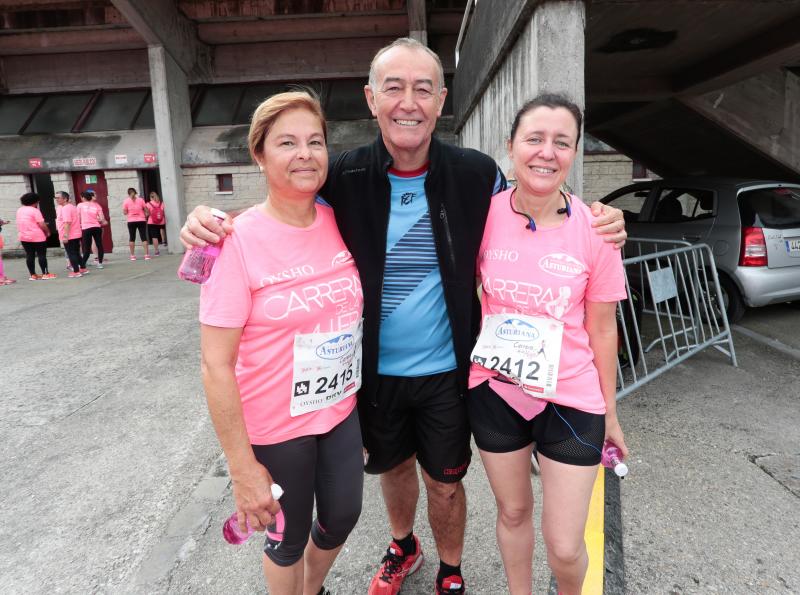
[731, 300]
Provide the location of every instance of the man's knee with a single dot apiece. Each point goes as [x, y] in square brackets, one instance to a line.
[440, 491]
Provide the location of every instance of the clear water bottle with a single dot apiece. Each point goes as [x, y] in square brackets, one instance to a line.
[197, 263]
[235, 536]
[612, 459]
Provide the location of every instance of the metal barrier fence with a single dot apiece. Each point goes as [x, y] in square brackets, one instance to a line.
[674, 293]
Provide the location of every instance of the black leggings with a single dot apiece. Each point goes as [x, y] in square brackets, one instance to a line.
[73, 248]
[96, 234]
[329, 467]
[32, 251]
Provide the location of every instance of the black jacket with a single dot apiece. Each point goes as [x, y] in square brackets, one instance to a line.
[458, 186]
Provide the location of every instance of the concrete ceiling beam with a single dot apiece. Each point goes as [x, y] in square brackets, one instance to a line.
[317, 27]
[96, 39]
[779, 46]
[162, 24]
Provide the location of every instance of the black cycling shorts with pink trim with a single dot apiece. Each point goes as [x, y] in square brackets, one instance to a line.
[328, 468]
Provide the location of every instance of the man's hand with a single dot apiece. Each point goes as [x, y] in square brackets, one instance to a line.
[202, 228]
[610, 223]
[254, 502]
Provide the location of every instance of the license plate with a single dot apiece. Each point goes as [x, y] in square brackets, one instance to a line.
[793, 247]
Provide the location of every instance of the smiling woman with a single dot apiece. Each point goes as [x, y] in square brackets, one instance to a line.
[284, 290]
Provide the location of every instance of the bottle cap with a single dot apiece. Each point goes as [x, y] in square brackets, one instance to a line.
[277, 491]
[218, 214]
[621, 469]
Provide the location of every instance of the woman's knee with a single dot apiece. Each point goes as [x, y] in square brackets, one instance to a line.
[332, 531]
[515, 514]
[565, 551]
[289, 552]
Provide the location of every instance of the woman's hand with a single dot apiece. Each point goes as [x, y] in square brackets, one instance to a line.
[254, 502]
[610, 223]
[202, 228]
[614, 434]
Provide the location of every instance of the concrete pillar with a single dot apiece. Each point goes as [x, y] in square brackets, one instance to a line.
[173, 124]
[547, 56]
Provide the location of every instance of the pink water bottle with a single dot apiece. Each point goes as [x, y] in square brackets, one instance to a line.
[612, 459]
[197, 263]
[234, 535]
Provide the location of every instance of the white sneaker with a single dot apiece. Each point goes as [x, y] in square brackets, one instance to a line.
[99, 265]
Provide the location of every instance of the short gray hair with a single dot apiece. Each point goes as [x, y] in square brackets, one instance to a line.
[407, 42]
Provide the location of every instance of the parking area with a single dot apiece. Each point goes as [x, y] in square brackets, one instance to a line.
[112, 480]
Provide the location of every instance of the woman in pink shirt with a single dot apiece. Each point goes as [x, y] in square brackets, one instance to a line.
[33, 232]
[544, 366]
[3, 279]
[156, 221]
[135, 210]
[92, 221]
[69, 232]
[281, 353]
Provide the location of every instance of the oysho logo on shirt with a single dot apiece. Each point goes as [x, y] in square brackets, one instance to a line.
[515, 329]
[342, 258]
[561, 265]
[501, 254]
[292, 273]
[336, 347]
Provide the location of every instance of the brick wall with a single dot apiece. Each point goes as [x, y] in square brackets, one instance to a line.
[11, 188]
[603, 173]
[200, 185]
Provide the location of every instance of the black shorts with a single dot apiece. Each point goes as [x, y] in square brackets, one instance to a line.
[133, 226]
[561, 433]
[423, 415]
[154, 231]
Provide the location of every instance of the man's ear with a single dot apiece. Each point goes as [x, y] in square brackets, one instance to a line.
[370, 95]
[442, 97]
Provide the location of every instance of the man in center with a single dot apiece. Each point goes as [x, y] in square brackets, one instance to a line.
[412, 210]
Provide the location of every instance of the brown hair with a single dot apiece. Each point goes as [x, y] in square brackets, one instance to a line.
[553, 101]
[269, 111]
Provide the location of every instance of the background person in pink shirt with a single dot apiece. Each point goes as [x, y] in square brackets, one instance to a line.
[281, 353]
[544, 366]
[33, 232]
[3, 279]
[69, 232]
[156, 221]
[135, 210]
[92, 221]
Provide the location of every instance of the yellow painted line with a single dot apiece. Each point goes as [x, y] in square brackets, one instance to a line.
[595, 537]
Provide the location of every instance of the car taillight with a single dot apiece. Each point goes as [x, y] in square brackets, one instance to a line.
[754, 248]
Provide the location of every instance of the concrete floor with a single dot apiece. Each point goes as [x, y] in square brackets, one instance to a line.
[113, 482]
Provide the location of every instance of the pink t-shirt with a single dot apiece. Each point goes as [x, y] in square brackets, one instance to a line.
[135, 209]
[28, 219]
[156, 213]
[549, 272]
[68, 213]
[90, 214]
[276, 281]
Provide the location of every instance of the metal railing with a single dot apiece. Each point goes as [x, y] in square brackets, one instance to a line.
[674, 301]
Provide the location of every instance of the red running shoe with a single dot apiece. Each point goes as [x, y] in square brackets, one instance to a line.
[395, 567]
[452, 585]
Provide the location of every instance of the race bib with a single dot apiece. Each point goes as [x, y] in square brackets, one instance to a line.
[524, 349]
[327, 369]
